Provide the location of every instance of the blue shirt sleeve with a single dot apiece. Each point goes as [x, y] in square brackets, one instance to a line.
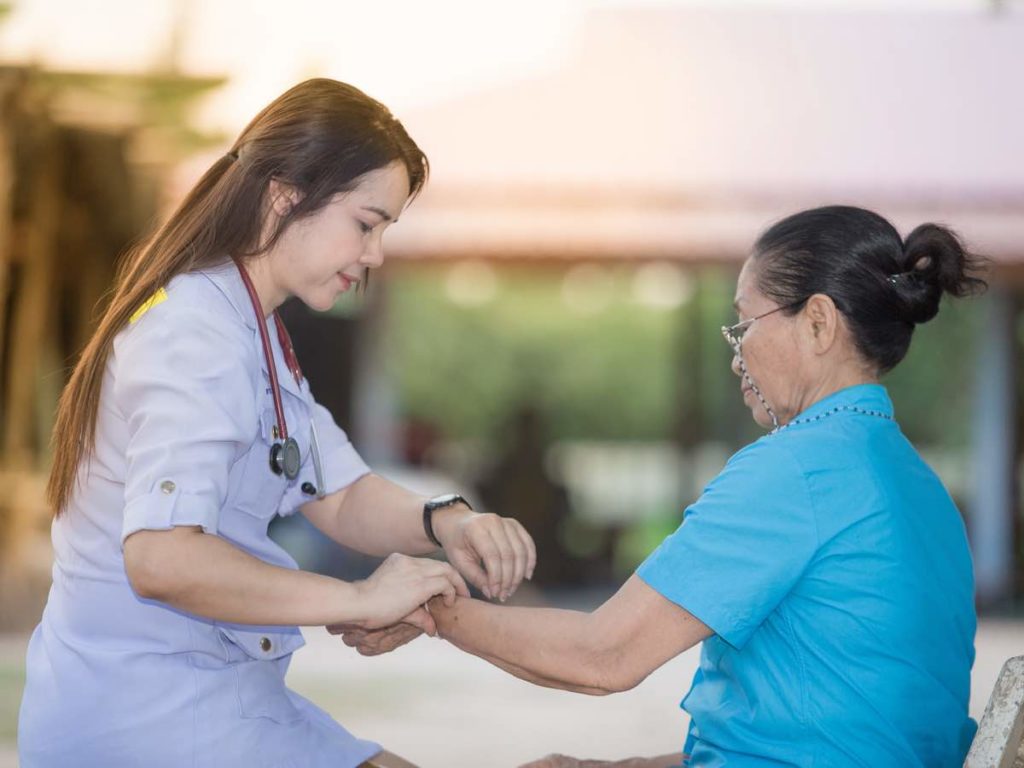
[742, 545]
[185, 387]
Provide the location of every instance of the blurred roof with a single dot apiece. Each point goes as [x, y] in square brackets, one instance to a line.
[680, 133]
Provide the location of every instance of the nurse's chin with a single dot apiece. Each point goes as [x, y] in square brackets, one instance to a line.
[320, 303]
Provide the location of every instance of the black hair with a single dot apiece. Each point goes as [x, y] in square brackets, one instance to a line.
[884, 286]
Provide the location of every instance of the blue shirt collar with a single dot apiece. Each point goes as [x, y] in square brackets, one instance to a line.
[869, 397]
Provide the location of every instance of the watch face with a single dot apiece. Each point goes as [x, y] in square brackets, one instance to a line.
[445, 500]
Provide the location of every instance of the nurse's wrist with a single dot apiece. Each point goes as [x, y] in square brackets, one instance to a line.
[446, 522]
[354, 600]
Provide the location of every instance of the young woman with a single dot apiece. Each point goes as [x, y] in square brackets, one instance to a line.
[825, 570]
[187, 426]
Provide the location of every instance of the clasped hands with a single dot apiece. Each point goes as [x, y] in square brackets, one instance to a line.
[492, 553]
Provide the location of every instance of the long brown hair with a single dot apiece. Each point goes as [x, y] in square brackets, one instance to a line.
[319, 137]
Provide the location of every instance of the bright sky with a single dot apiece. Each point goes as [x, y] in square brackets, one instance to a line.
[404, 53]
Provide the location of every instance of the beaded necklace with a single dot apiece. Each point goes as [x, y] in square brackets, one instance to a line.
[831, 412]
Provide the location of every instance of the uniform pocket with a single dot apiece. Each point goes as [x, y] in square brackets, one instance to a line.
[261, 489]
[260, 660]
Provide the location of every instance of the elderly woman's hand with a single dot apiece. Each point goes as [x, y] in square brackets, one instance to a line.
[374, 642]
[563, 761]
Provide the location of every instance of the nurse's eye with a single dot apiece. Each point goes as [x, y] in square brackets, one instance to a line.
[364, 227]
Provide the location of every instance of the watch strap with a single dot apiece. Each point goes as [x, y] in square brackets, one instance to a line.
[439, 502]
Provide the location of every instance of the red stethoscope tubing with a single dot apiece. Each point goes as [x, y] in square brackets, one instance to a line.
[286, 347]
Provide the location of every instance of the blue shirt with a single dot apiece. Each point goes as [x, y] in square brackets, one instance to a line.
[183, 435]
[834, 570]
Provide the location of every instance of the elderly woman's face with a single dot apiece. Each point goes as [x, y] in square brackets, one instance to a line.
[770, 354]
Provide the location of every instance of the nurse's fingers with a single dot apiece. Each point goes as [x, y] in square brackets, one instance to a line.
[422, 620]
[493, 548]
[438, 586]
[518, 559]
[521, 553]
[453, 576]
[531, 547]
[509, 557]
[424, 569]
[465, 561]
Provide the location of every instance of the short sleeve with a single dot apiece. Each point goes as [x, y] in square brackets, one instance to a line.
[342, 465]
[184, 385]
[743, 544]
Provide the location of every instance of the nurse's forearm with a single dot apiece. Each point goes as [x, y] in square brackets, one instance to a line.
[376, 517]
[207, 576]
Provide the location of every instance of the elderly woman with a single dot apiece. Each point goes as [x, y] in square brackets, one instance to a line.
[825, 569]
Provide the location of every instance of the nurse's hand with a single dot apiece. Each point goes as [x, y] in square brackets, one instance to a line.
[400, 586]
[494, 553]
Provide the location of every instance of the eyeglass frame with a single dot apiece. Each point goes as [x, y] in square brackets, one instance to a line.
[729, 331]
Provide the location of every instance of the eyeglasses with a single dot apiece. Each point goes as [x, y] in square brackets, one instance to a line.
[734, 333]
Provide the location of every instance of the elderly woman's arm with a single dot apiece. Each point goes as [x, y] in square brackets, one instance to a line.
[612, 649]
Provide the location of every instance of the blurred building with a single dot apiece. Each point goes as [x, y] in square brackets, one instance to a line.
[669, 135]
[678, 134]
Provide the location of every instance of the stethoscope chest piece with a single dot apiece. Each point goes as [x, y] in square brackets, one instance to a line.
[286, 458]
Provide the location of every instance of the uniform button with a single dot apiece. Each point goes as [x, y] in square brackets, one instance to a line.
[265, 644]
[167, 486]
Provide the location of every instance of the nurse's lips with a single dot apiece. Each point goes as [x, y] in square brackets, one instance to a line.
[346, 281]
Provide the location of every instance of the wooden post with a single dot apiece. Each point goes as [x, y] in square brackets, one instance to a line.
[994, 456]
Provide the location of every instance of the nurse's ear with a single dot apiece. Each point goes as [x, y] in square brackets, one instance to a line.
[821, 322]
[283, 197]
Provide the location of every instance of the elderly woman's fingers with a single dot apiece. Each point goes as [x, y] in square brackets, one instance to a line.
[378, 641]
[554, 761]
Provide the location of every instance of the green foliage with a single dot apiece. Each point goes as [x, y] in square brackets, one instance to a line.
[606, 375]
[627, 371]
[933, 388]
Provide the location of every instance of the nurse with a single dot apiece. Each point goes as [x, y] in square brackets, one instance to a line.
[187, 426]
[825, 570]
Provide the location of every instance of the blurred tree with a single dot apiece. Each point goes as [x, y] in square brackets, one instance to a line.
[626, 371]
[83, 158]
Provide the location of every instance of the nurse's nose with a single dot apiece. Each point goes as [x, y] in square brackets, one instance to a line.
[373, 256]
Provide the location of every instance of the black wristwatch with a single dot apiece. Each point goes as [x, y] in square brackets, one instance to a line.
[439, 502]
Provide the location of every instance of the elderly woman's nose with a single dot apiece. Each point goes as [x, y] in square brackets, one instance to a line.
[735, 364]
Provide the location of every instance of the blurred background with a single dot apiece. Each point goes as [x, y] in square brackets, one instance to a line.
[544, 335]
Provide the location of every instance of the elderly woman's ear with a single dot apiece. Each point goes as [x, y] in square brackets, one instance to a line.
[822, 321]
